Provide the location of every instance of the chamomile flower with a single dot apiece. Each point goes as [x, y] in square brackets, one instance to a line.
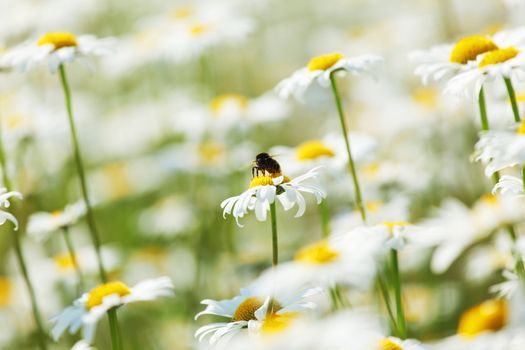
[250, 310]
[501, 149]
[393, 343]
[5, 196]
[508, 62]
[318, 71]
[442, 62]
[82, 345]
[509, 185]
[328, 152]
[265, 189]
[509, 287]
[55, 48]
[87, 310]
[42, 224]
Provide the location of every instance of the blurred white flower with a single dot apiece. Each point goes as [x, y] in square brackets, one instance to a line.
[509, 185]
[509, 287]
[42, 224]
[4, 204]
[55, 48]
[442, 62]
[320, 68]
[87, 310]
[251, 310]
[82, 345]
[169, 216]
[265, 189]
[501, 149]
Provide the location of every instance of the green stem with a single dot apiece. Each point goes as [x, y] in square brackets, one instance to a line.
[513, 102]
[116, 339]
[81, 174]
[485, 121]
[325, 218]
[401, 322]
[334, 298]
[73, 255]
[351, 165]
[275, 248]
[42, 338]
[386, 298]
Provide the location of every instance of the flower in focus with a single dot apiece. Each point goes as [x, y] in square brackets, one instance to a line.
[318, 71]
[442, 62]
[87, 310]
[263, 191]
[42, 224]
[4, 203]
[251, 310]
[55, 48]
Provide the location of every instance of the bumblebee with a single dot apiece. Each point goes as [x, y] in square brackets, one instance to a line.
[265, 164]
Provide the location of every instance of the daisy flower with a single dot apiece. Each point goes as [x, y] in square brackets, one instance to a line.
[87, 310]
[442, 62]
[507, 63]
[42, 224]
[509, 185]
[318, 71]
[264, 189]
[5, 196]
[501, 149]
[393, 343]
[82, 345]
[55, 49]
[250, 310]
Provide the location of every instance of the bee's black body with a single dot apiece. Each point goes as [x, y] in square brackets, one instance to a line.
[266, 164]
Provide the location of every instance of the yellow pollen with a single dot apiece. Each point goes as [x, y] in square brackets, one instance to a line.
[6, 289]
[317, 254]
[277, 323]
[97, 294]
[324, 62]
[373, 206]
[58, 40]
[468, 48]
[520, 97]
[387, 344]
[490, 315]
[246, 310]
[489, 198]
[521, 128]
[266, 180]
[64, 262]
[219, 102]
[391, 224]
[426, 97]
[498, 56]
[199, 29]
[312, 150]
[211, 152]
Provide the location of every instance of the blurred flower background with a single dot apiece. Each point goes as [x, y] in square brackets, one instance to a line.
[172, 101]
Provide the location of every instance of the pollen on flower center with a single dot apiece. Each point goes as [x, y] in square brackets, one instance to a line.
[490, 315]
[265, 180]
[58, 39]
[521, 128]
[489, 198]
[391, 224]
[64, 261]
[199, 29]
[97, 294]
[468, 48]
[324, 62]
[211, 152]
[222, 101]
[313, 150]
[276, 323]
[317, 254]
[5, 291]
[246, 310]
[387, 344]
[498, 56]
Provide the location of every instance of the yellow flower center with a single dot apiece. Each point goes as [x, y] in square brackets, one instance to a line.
[490, 315]
[218, 103]
[324, 62]
[199, 29]
[277, 323]
[520, 97]
[246, 310]
[181, 13]
[387, 344]
[489, 198]
[468, 48]
[391, 224]
[6, 289]
[498, 56]
[312, 150]
[266, 180]
[426, 97]
[521, 128]
[373, 206]
[15, 121]
[64, 262]
[317, 254]
[211, 152]
[58, 40]
[97, 294]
